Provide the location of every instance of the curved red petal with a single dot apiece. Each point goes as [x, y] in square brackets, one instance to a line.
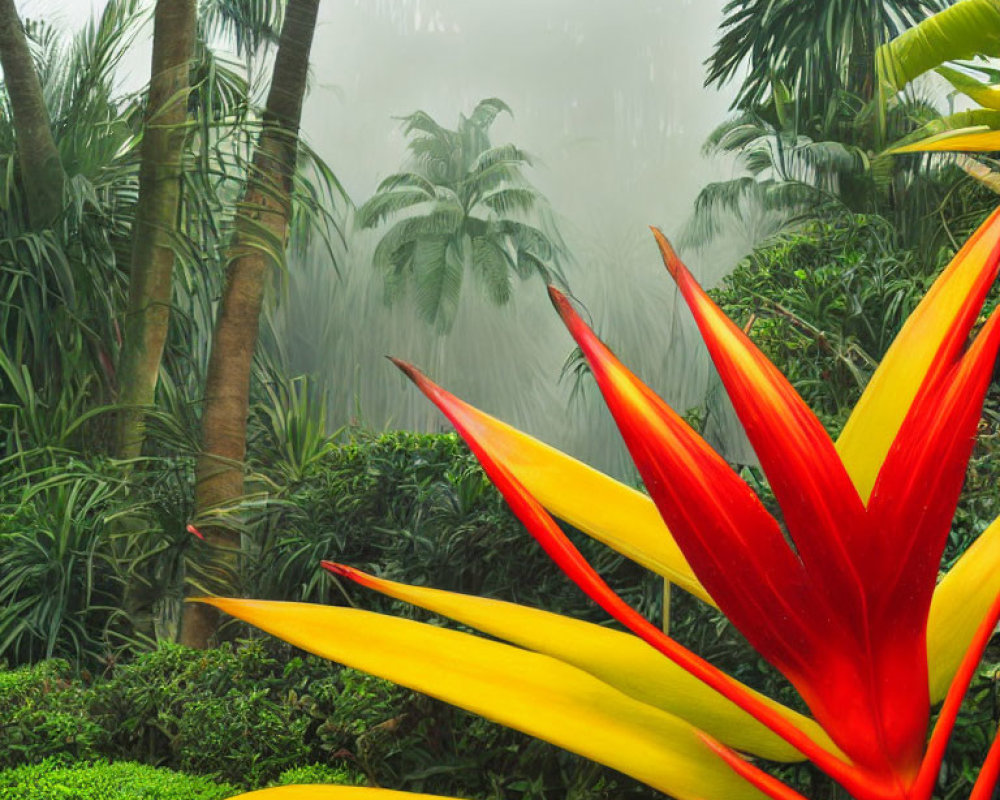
[545, 530]
[735, 547]
[821, 507]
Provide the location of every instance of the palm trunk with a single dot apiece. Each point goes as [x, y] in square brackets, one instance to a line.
[41, 170]
[152, 262]
[258, 242]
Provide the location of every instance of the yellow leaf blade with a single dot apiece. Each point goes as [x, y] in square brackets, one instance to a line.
[974, 140]
[621, 660]
[935, 329]
[960, 601]
[527, 691]
[624, 519]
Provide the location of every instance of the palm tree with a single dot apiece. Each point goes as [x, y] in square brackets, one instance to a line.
[39, 160]
[257, 247]
[464, 206]
[811, 123]
[154, 233]
[817, 48]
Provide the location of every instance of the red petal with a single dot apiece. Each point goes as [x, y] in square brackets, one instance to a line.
[732, 543]
[562, 551]
[923, 787]
[912, 506]
[821, 507]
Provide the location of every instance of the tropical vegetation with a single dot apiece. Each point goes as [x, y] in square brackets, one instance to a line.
[808, 613]
[465, 207]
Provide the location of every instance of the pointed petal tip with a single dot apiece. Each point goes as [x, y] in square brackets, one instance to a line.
[195, 532]
[409, 371]
[671, 260]
[340, 570]
[558, 299]
[564, 308]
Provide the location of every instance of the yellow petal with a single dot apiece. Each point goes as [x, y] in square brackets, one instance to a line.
[320, 792]
[619, 659]
[624, 519]
[960, 601]
[876, 418]
[527, 691]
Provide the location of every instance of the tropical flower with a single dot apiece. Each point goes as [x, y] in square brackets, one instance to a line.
[841, 595]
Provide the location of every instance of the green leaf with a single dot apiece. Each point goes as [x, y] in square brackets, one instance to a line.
[967, 29]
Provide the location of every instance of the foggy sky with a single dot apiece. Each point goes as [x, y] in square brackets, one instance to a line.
[607, 97]
[606, 94]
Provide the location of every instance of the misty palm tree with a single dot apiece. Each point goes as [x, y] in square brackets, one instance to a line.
[788, 176]
[256, 249]
[464, 206]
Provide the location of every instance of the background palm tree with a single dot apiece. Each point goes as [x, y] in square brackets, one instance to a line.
[155, 231]
[256, 249]
[37, 153]
[463, 206]
[812, 124]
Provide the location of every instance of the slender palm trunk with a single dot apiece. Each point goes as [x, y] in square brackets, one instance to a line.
[41, 169]
[152, 264]
[257, 246]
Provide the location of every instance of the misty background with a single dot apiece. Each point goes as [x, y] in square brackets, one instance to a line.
[608, 100]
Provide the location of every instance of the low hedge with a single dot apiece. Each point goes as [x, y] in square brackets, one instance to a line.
[103, 781]
[256, 713]
[124, 780]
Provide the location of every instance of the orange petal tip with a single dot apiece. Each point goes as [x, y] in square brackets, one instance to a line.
[193, 530]
[340, 570]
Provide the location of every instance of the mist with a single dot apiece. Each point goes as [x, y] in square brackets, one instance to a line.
[608, 100]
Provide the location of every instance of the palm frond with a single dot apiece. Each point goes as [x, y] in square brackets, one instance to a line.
[513, 199]
[491, 268]
[251, 25]
[438, 267]
[486, 112]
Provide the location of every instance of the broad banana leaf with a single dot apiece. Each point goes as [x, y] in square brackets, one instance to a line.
[967, 29]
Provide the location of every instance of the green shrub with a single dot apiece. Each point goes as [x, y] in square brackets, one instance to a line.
[45, 714]
[320, 773]
[99, 781]
[418, 508]
[59, 590]
[228, 711]
[824, 305]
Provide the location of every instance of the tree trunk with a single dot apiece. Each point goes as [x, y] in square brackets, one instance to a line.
[152, 264]
[257, 246]
[41, 170]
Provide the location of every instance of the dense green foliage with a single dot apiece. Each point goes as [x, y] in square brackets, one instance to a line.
[825, 304]
[257, 713]
[51, 781]
[411, 507]
[419, 509]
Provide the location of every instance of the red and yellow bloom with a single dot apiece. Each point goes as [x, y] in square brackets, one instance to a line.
[841, 596]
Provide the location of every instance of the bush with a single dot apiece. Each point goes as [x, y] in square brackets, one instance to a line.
[418, 508]
[226, 711]
[320, 773]
[59, 590]
[45, 714]
[121, 781]
[825, 304]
